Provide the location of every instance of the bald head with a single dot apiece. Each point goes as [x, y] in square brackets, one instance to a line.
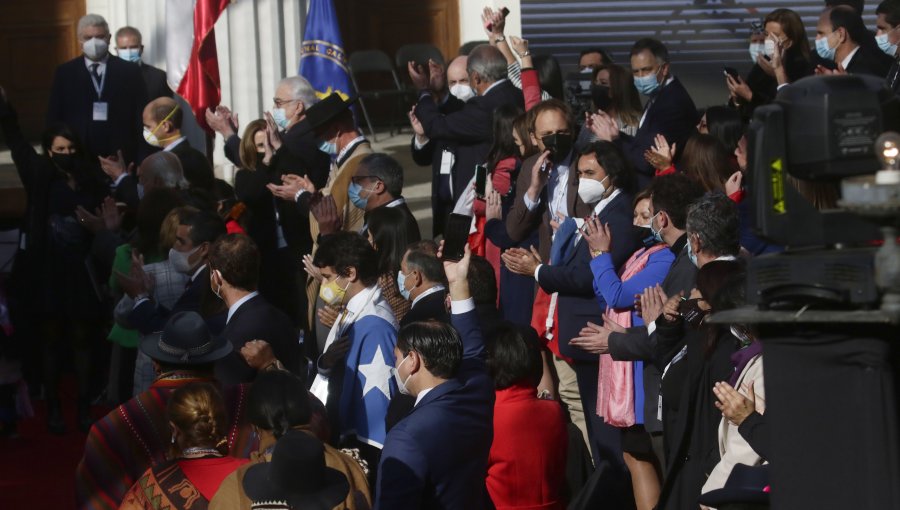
[162, 118]
[486, 66]
[161, 170]
[456, 71]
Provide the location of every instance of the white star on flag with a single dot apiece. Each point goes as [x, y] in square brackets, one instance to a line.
[378, 375]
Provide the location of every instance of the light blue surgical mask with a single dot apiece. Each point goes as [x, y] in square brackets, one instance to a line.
[691, 254]
[329, 148]
[885, 44]
[401, 283]
[824, 50]
[755, 50]
[280, 118]
[657, 234]
[646, 85]
[130, 54]
[353, 193]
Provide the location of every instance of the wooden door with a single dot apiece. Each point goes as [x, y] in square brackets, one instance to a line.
[35, 37]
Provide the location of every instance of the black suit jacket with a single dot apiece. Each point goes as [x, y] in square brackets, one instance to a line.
[150, 317]
[470, 128]
[156, 82]
[870, 61]
[256, 319]
[573, 279]
[430, 154]
[637, 344]
[196, 167]
[672, 114]
[72, 99]
[430, 307]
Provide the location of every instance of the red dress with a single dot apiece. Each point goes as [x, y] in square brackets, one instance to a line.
[527, 462]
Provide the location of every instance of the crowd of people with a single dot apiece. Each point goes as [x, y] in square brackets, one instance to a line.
[294, 340]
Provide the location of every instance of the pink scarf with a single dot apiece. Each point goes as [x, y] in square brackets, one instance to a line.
[615, 385]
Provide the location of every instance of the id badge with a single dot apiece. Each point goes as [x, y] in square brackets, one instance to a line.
[101, 111]
[446, 162]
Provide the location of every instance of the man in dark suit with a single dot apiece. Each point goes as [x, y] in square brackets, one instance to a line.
[842, 36]
[436, 457]
[569, 274]
[195, 234]
[234, 274]
[421, 281]
[379, 183]
[99, 96]
[162, 120]
[130, 47]
[669, 111]
[455, 91]
[671, 195]
[888, 37]
[471, 128]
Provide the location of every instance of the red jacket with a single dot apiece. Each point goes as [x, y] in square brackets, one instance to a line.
[527, 463]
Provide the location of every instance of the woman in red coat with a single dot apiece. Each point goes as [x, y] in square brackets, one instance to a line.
[527, 462]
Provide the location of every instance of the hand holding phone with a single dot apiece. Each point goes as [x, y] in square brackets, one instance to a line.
[730, 71]
[480, 181]
[456, 236]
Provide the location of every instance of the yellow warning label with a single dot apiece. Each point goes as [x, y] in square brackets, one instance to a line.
[778, 186]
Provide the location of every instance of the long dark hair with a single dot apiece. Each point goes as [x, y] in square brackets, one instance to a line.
[792, 26]
[550, 75]
[504, 145]
[59, 129]
[388, 228]
[706, 160]
[722, 284]
[624, 96]
[726, 125]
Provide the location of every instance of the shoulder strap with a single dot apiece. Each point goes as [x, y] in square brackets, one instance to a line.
[176, 487]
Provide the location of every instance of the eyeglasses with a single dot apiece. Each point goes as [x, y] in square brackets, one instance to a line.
[281, 102]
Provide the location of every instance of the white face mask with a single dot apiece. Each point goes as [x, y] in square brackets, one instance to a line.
[151, 138]
[591, 191]
[755, 50]
[401, 384]
[180, 260]
[95, 48]
[769, 47]
[462, 92]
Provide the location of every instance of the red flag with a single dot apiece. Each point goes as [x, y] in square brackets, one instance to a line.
[200, 85]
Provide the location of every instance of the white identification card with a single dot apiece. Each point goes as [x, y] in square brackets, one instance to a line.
[101, 111]
[446, 162]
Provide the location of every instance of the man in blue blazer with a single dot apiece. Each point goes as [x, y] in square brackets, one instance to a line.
[436, 457]
[100, 96]
[669, 111]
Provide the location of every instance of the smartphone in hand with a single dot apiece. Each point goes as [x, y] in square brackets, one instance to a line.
[456, 235]
[480, 181]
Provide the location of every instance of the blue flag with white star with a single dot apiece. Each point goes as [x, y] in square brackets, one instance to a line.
[322, 59]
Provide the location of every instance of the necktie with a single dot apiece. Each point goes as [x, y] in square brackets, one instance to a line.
[94, 72]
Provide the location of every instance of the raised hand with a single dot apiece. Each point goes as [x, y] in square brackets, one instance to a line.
[603, 126]
[114, 166]
[493, 209]
[418, 75]
[735, 407]
[521, 261]
[597, 235]
[258, 354]
[738, 89]
[311, 269]
[733, 184]
[437, 76]
[273, 135]
[596, 341]
[416, 125]
[661, 154]
[325, 211]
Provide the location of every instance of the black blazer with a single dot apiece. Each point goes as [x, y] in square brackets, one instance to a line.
[430, 154]
[430, 307]
[672, 114]
[573, 279]
[150, 317]
[72, 99]
[196, 167]
[127, 192]
[256, 319]
[156, 82]
[637, 344]
[470, 128]
[870, 61]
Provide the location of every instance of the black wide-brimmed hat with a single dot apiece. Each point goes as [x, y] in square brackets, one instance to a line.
[323, 112]
[746, 484]
[185, 340]
[297, 475]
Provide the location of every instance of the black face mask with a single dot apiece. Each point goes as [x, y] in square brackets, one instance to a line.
[65, 162]
[692, 314]
[260, 156]
[644, 234]
[600, 96]
[559, 145]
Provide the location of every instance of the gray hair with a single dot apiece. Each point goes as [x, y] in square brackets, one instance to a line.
[166, 168]
[300, 89]
[387, 169]
[92, 20]
[714, 219]
[488, 62]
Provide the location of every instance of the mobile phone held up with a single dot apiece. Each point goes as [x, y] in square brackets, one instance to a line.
[480, 181]
[730, 71]
[456, 235]
[490, 26]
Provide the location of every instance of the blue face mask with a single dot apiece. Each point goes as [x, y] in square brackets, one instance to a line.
[824, 50]
[401, 283]
[280, 118]
[130, 54]
[657, 234]
[355, 199]
[885, 44]
[646, 85]
[691, 254]
[329, 148]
